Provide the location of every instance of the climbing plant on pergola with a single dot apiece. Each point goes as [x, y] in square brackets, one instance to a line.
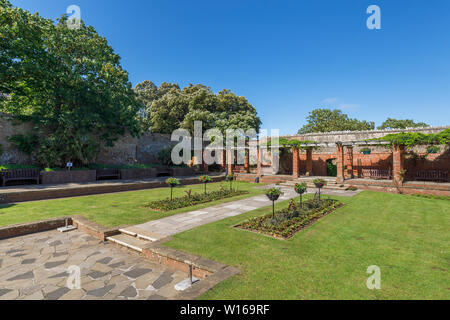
[412, 139]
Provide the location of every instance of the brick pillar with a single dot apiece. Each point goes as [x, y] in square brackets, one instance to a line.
[309, 164]
[349, 163]
[295, 163]
[224, 160]
[230, 160]
[247, 161]
[398, 157]
[258, 159]
[205, 166]
[340, 163]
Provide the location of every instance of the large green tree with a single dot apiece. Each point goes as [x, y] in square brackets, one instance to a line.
[391, 123]
[68, 83]
[168, 108]
[327, 120]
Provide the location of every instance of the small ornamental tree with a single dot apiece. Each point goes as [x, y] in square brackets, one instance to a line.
[273, 194]
[205, 179]
[320, 183]
[300, 188]
[172, 182]
[230, 177]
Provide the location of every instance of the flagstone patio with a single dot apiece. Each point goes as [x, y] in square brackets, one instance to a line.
[35, 267]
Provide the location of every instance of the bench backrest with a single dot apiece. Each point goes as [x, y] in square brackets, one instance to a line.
[376, 173]
[19, 173]
[432, 174]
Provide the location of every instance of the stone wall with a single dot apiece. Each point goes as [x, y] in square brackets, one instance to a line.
[127, 150]
[11, 155]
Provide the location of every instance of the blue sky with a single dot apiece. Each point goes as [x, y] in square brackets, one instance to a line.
[286, 57]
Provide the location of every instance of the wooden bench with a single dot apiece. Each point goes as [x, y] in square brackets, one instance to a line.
[376, 174]
[431, 175]
[19, 175]
[110, 173]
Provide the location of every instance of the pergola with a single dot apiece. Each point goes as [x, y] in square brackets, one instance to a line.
[344, 155]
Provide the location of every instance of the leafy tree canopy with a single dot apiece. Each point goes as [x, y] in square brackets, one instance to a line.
[169, 107]
[68, 83]
[327, 120]
[401, 124]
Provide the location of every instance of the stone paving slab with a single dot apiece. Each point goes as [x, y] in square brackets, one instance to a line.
[107, 271]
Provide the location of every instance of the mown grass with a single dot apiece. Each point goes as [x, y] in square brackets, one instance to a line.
[407, 237]
[114, 209]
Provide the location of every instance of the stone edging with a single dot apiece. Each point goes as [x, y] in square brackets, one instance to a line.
[94, 229]
[23, 229]
[210, 272]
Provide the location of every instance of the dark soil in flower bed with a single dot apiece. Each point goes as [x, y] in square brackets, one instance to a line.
[193, 199]
[291, 220]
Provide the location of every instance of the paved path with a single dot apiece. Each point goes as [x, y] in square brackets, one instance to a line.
[185, 221]
[35, 267]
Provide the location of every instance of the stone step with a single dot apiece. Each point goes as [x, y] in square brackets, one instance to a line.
[128, 241]
[312, 186]
[142, 234]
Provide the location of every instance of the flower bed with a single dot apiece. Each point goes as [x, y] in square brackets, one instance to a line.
[192, 199]
[290, 220]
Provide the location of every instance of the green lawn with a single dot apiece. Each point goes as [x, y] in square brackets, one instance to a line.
[406, 236]
[113, 209]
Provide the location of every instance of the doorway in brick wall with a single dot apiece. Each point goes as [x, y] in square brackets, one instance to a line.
[332, 167]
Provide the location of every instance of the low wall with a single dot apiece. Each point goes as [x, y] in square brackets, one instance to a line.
[33, 227]
[54, 192]
[130, 174]
[412, 187]
[182, 172]
[75, 176]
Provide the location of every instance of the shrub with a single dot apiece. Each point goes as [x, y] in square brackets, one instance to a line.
[300, 188]
[192, 200]
[172, 182]
[319, 183]
[205, 179]
[273, 192]
[230, 177]
[165, 157]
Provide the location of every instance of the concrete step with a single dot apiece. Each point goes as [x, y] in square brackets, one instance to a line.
[142, 234]
[128, 241]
